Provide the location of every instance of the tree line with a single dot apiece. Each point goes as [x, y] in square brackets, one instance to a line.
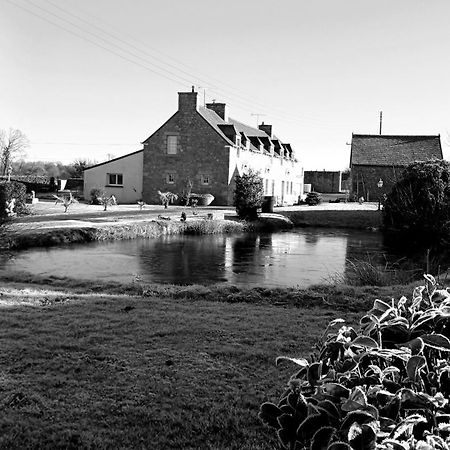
[13, 146]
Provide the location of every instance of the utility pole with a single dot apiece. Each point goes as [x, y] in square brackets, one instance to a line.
[257, 117]
[381, 120]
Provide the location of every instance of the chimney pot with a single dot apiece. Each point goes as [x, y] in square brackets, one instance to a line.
[266, 128]
[219, 108]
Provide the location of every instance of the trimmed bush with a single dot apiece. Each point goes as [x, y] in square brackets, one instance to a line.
[313, 198]
[12, 191]
[419, 202]
[248, 195]
[383, 386]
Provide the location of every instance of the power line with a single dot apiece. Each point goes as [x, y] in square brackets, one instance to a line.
[84, 143]
[125, 54]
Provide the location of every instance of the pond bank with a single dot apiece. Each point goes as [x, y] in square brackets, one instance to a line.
[48, 227]
[16, 238]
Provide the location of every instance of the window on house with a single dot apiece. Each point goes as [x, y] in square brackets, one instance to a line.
[172, 145]
[266, 188]
[238, 140]
[170, 178]
[114, 179]
[204, 179]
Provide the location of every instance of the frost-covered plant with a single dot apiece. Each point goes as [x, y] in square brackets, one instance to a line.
[66, 201]
[385, 385]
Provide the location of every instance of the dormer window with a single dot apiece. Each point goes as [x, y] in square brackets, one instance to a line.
[238, 141]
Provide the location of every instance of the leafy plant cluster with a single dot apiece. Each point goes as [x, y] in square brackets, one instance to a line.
[313, 198]
[420, 201]
[12, 199]
[383, 386]
[248, 195]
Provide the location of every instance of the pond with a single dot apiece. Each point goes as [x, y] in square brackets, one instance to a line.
[302, 257]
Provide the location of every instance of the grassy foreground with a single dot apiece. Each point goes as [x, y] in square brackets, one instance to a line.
[162, 367]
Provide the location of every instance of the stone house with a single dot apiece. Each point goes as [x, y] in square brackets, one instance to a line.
[383, 157]
[205, 147]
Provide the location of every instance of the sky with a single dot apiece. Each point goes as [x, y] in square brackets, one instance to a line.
[92, 79]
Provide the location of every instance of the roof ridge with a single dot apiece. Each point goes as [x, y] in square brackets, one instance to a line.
[398, 135]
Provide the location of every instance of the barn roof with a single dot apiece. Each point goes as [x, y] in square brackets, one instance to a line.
[393, 150]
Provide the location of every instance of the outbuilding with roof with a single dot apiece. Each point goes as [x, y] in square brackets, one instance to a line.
[377, 161]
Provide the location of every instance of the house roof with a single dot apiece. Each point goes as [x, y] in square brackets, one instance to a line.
[214, 120]
[393, 150]
[248, 130]
[112, 160]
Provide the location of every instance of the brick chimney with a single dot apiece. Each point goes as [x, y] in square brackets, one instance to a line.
[187, 101]
[220, 109]
[266, 128]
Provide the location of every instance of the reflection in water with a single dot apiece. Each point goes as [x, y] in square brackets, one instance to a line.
[301, 257]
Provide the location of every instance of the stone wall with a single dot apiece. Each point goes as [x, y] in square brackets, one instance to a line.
[365, 181]
[323, 181]
[201, 151]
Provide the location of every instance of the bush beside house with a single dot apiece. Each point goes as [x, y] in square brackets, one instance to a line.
[248, 195]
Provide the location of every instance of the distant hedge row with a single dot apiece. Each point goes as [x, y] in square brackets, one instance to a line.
[10, 190]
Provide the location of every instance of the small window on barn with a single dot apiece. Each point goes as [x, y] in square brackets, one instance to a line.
[172, 145]
[204, 179]
[170, 178]
[114, 179]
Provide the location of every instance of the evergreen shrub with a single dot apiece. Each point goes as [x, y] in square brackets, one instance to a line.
[313, 198]
[248, 195]
[10, 190]
[419, 202]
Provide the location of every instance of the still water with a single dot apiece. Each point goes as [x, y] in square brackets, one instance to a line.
[301, 257]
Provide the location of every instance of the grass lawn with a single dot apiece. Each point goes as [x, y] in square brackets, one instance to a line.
[153, 371]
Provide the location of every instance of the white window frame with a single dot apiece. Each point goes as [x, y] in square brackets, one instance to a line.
[116, 181]
[172, 144]
[205, 179]
[170, 178]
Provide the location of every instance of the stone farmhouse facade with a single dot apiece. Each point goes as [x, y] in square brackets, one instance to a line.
[205, 147]
[384, 157]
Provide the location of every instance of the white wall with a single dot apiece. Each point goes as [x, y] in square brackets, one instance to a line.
[274, 169]
[131, 168]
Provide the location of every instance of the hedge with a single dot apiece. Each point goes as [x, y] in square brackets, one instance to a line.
[12, 190]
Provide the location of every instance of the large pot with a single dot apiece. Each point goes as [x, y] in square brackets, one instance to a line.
[202, 199]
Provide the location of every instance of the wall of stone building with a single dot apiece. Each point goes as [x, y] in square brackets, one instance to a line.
[200, 151]
[365, 180]
[323, 180]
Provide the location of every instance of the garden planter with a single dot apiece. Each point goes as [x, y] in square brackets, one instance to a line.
[202, 199]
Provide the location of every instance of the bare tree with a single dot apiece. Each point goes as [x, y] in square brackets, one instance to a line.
[79, 165]
[13, 144]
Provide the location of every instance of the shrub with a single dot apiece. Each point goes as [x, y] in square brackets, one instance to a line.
[313, 198]
[12, 199]
[96, 194]
[248, 195]
[385, 385]
[420, 201]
